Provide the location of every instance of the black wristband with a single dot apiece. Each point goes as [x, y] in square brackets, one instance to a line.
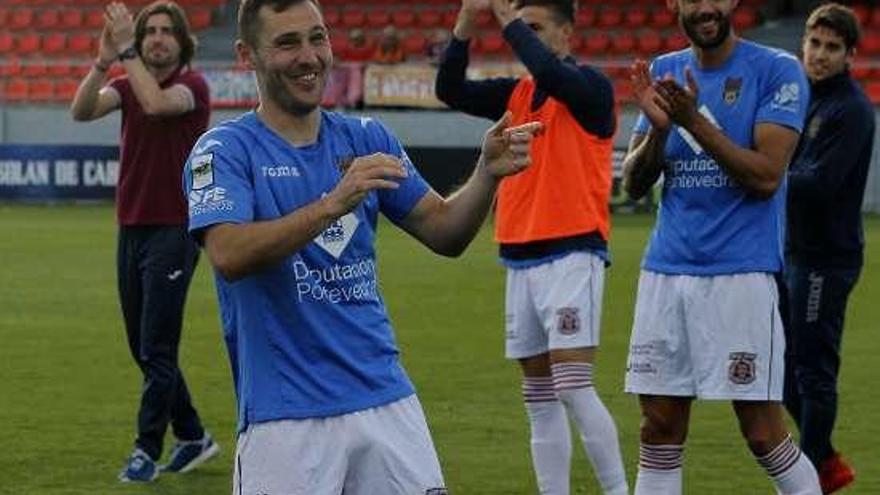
[127, 54]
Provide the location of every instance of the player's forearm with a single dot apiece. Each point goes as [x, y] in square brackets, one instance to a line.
[240, 250]
[465, 25]
[146, 89]
[85, 101]
[644, 163]
[462, 214]
[753, 171]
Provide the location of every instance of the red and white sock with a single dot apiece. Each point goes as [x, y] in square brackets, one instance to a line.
[659, 469]
[791, 471]
[573, 382]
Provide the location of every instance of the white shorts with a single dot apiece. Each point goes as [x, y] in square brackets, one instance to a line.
[715, 337]
[555, 305]
[386, 449]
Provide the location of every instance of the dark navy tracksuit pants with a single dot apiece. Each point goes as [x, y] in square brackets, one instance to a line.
[154, 267]
[817, 300]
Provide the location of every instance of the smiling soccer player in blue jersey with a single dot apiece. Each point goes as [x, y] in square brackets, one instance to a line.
[285, 200]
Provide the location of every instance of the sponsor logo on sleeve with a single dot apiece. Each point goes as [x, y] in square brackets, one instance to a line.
[209, 201]
[202, 167]
[787, 97]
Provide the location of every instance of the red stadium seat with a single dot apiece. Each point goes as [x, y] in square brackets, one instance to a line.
[7, 43]
[54, 44]
[585, 17]
[662, 18]
[21, 18]
[199, 18]
[60, 68]
[41, 89]
[47, 19]
[623, 43]
[636, 17]
[623, 91]
[403, 19]
[94, 19]
[16, 89]
[4, 15]
[872, 89]
[610, 17]
[353, 18]
[744, 18]
[28, 44]
[10, 67]
[80, 44]
[430, 18]
[596, 43]
[649, 43]
[71, 19]
[34, 68]
[65, 89]
[870, 44]
[449, 18]
[862, 12]
[414, 44]
[378, 19]
[492, 44]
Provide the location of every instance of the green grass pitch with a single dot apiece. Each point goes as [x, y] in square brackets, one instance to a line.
[69, 390]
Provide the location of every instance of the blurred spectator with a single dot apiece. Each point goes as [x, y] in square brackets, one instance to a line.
[359, 47]
[436, 46]
[390, 49]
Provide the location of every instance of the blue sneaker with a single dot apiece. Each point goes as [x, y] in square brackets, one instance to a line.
[140, 468]
[187, 455]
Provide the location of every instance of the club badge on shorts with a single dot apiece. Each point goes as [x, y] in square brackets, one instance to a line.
[568, 321]
[742, 367]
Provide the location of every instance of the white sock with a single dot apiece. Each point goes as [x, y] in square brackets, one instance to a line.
[574, 386]
[659, 469]
[551, 438]
[791, 471]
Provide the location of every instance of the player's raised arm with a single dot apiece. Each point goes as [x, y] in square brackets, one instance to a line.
[448, 225]
[645, 158]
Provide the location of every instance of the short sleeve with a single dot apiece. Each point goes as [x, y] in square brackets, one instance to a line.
[785, 94]
[217, 181]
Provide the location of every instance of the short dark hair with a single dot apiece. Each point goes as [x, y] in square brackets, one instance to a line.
[247, 15]
[179, 25]
[838, 18]
[563, 10]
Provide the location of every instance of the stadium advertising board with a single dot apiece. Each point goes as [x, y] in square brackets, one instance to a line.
[46, 172]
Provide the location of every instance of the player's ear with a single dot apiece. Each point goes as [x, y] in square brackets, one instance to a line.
[245, 54]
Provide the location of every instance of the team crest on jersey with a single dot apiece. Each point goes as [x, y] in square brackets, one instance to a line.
[336, 237]
[568, 321]
[742, 368]
[202, 167]
[813, 128]
[732, 88]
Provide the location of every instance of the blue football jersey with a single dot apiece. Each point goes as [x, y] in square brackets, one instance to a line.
[707, 224]
[309, 337]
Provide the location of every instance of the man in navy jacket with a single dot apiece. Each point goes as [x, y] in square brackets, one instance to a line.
[824, 238]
